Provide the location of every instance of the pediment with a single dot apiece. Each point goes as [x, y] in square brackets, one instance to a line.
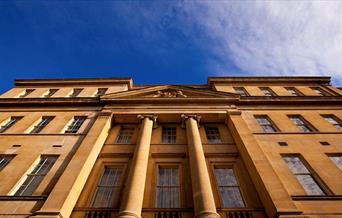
[170, 92]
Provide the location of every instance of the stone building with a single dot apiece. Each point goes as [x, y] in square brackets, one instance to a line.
[234, 147]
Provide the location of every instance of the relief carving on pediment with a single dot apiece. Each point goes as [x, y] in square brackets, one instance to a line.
[169, 94]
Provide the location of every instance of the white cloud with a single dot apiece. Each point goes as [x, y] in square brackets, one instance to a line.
[272, 37]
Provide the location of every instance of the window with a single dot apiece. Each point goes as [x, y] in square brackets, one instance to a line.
[101, 91]
[213, 135]
[334, 121]
[303, 175]
[169, 135]
[301, 123]
[75, 92]
[9, 123]
[34, 178]
[337, 159]
[293, 91]
[75, 124]
[228, 188]
[319, 91]
[125, 135]
[241, 91]
[267, 91]
[266, 123]
[108, 188]
[42, 123]
[50, 93]
[168, 187]
[26, 93]
[4, 160]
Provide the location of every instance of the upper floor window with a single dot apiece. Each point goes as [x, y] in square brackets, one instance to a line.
[4, 160]
[228, 187]
[304, 175]
[108, 187]
[241, 91]
[337, 159]
[75, 92]
[7, 124]
[334, 121]
[36, 176]
[75, 124]
[213, 135]
[301, 123]
[319, 91]
[169, 135]
[125, 135]
[293, 91]
[266, 124]
[50, 93]
[26, 93]
[41, 124]
[168, 187]
[101, 91]
[267, 91]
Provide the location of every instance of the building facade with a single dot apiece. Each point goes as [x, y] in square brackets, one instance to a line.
[234, 147]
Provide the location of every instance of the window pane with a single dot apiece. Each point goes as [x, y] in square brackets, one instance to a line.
[337, 160]
[310, 185]
[125, 135]
[295, 165]
[225, 177]
[168, 189]
[169, 135]
[213, 135]
[231, 197]
[4, 160]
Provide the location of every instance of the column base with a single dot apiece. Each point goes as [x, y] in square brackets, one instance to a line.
[208, 214]
[128, 214]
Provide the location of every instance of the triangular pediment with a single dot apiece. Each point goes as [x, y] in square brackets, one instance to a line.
[170, 92]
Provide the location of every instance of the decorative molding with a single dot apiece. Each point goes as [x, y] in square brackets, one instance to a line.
[149, 116]
[169, 94]
[196, 117]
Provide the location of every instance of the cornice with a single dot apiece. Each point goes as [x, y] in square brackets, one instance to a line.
[74, 81]
[78, 101]
[290, 100]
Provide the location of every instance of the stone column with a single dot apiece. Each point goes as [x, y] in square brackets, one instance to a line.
[134, 191]
[202, 193]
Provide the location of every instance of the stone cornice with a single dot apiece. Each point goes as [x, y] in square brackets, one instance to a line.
[78, 101]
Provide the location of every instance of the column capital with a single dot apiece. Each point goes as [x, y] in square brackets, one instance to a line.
[149, 116]
[193, 116]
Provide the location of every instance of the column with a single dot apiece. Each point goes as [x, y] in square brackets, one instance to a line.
[134, 191]
[202, 193]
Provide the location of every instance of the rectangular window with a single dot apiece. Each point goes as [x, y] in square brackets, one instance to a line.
[42, 123]
[213, 135]
[9, 123]
[303, 175]
[75, 124]
[266, 124]
[34, 178]
[169, 135]
[293, 91]
[319, 91]
[125, 135]
[4, 160]
[228, 188]
[26, 93]
[241, 91]
[168, 187]
[333, 120]
[337, 159]
[301, 123]
[108, 188]
[50, 93]
[75, 92]
[101, 91]
[267, 91]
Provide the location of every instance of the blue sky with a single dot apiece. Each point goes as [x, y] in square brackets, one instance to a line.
[169, 41]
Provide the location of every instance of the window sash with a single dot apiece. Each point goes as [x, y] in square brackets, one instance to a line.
[334, 121]
[26, 93]
[75, 125]
[169, 135]
[213, 135]
[50, 93]
[5, 160]
[228, 187]
[9, 124]
[75, 92]
[266, 124]
[168, 188]
[37, 175]
[303, 175]
[302, 124]
[241, 91]
[337, 160]
[294, 91]
[101, 91]
[267, 91]
[125, 135]
[319, 91]
[40, 126]
[108, 188]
